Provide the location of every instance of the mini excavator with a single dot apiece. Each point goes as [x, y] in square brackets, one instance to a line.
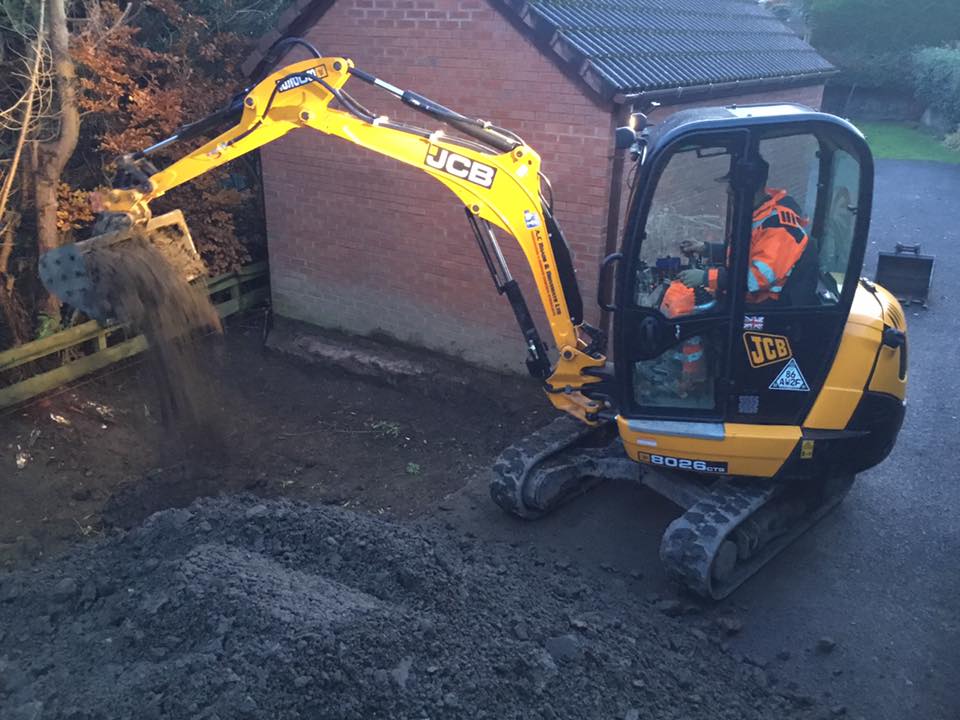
[753, 417]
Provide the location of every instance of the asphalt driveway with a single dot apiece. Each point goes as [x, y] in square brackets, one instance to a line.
[880, 575]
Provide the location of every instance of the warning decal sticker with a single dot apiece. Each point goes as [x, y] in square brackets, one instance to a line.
[790, 378]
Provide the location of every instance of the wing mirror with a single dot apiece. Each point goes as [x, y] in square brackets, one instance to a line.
[632, 137]
[626, 137]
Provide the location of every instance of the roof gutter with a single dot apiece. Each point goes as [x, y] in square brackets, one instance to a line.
[692, 93]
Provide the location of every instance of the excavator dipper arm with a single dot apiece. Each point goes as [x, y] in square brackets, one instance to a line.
[494, 174]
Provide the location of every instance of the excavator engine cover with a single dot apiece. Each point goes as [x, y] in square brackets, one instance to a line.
[65, 272]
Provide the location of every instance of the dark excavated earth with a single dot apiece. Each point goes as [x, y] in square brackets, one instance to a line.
[241, 608]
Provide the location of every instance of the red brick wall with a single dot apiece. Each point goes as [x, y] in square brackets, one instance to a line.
[360, 242]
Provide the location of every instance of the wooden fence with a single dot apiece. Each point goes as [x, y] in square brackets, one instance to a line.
[86, 348]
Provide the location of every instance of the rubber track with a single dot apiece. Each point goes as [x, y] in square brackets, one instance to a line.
[691, 542]
[513, 466]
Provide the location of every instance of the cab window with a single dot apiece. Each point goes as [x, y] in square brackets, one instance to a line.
[687, 233]
[783, 256]
[836, 236]
[684, 249]
[815, 185]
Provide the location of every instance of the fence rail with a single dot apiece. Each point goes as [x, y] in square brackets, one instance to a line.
[98, 347]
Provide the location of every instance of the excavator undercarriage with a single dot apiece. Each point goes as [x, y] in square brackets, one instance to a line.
[729, 529]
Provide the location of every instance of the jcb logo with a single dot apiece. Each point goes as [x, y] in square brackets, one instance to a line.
[460, 166]
[765, 349]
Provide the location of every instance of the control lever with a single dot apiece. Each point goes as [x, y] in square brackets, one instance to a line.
[649, 331]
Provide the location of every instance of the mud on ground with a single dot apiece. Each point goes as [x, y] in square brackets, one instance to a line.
[97, 457]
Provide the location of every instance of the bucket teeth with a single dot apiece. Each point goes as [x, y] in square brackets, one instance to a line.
[65, 272]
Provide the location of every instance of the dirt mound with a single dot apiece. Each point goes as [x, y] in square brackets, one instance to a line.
[236, 608]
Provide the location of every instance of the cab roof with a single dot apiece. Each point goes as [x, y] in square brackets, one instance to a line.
[737, 116]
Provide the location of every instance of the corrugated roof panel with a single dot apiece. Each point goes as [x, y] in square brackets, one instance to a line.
[651, 44]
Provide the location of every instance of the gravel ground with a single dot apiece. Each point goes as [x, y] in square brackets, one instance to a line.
[241, 608]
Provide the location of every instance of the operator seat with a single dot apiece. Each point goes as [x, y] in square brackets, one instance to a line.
[800, 289]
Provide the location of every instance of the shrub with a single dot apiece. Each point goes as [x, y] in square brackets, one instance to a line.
[879, 70]
[952, 140]
[871, 41]
[936, 80]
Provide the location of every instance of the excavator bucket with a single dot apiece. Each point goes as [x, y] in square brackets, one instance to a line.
[906, 273]
[68, 273]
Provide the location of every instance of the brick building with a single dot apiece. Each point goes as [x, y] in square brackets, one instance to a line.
[362, 243]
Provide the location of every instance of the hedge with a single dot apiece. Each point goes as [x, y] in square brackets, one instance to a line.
[936, 80]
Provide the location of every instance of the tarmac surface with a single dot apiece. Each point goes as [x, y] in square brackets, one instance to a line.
[877, 580]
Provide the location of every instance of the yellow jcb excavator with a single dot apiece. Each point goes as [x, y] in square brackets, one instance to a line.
[749, 395]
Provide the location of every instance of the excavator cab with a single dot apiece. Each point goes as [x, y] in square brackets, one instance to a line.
[727, 355]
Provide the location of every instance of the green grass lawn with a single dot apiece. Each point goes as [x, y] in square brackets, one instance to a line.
[901, 141]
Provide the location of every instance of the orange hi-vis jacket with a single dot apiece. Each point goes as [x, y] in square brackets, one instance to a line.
[777, 241]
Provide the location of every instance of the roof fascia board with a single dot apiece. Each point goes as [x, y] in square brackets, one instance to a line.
[691, 93]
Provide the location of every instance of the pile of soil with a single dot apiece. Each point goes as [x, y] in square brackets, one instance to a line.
[244, 608]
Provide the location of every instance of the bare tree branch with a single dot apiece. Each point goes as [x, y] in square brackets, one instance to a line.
[53, 156]
[7, 246]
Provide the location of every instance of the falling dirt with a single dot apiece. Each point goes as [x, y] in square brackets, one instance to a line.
[245, 608]
[145, 291]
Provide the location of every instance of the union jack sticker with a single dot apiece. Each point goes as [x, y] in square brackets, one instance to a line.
[753, 322]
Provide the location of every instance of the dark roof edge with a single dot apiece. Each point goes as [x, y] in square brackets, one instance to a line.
[549, 41]
[569, 57]
[295, 20]
[691, 93]
[543, 36]
[301, 15]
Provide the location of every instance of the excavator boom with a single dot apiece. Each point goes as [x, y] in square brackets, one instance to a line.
[492, 171]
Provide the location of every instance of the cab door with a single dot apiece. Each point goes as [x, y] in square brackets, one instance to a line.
[788, 340]
[673, 341]
[726, 351]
